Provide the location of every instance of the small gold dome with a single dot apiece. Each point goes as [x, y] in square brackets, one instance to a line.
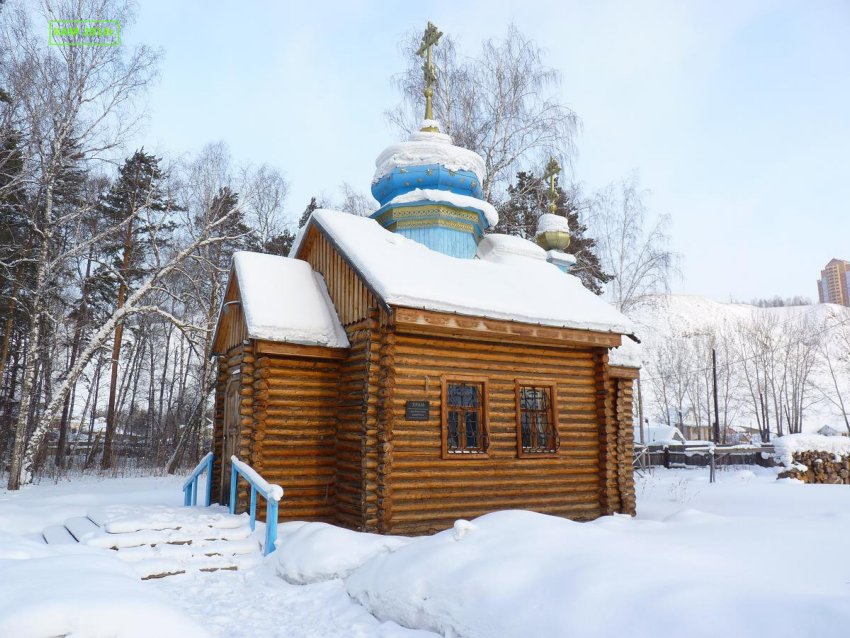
[553, 239]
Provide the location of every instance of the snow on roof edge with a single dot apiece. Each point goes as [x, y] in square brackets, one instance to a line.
[266, 313]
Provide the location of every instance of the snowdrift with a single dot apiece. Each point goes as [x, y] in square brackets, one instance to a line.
[519, 574]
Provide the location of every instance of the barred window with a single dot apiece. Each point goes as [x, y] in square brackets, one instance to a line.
[464, 417]
[536, 422]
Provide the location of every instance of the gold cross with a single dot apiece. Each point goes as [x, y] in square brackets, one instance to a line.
[429, 39]
[549, 174]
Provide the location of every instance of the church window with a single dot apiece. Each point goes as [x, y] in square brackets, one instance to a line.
[537, 423]
[465, 416]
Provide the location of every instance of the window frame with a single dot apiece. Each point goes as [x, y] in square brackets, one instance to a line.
[553, 412]
[445, 380]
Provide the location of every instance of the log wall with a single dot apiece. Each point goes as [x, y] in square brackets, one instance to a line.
[218, 429]
[333, 432]
[237, 363]
[354, 409]
[622, 398]
[427, 492]
[295, 446]
[371, 456]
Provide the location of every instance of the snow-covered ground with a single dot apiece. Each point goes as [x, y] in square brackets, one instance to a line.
[86, 592]
[747, 556]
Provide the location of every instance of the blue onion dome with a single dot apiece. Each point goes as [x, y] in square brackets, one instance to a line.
[430, 191]
[428, 160]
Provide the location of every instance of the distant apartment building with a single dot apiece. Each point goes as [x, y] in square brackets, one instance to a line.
[834, 283]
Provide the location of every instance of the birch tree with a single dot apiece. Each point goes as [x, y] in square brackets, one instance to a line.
[71, 105]
[634, 247]
[265, 191]
[835, 364]
[136, 304]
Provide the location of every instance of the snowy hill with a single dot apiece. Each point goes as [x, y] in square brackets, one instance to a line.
[776, 352]
[679, 314]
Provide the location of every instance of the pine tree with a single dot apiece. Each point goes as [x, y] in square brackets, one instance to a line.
[527, 200]
[305, 216]
[235, 229]
[135, 205]
[15, 246]
[280, 245]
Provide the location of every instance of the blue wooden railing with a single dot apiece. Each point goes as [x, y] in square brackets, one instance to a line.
[272, 494]
[190, 487]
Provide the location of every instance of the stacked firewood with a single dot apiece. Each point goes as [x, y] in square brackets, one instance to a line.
[819, 467]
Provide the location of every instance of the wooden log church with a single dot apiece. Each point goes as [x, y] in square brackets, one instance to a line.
[400, 371]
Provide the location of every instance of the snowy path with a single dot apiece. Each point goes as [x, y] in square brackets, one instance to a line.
[259, 603]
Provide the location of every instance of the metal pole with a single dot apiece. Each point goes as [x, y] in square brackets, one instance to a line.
[640, 414]
[716, 408]
[232, 488]
[271, 526]
[208, 495]
[711, 477]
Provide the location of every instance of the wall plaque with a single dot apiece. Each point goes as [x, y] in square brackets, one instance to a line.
[417, 410]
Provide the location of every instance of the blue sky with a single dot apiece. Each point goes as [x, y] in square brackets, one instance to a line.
[735, 114]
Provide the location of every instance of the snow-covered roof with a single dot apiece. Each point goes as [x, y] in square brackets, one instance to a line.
[426, 147]
[496, 247]
[405, 273]
[448, 197]
[662, 435]
[283, 299]
[828, 430]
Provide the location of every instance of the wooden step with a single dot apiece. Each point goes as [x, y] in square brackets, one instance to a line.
[189, 551]
[82, 528]
[161, 567]
[58, 535]
[122, 519]
[104, 539]
[160, 541]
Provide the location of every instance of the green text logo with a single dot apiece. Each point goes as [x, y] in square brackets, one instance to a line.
[84, 33]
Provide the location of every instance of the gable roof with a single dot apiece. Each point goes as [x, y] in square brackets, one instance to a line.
[405, 273]
[284, 300]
